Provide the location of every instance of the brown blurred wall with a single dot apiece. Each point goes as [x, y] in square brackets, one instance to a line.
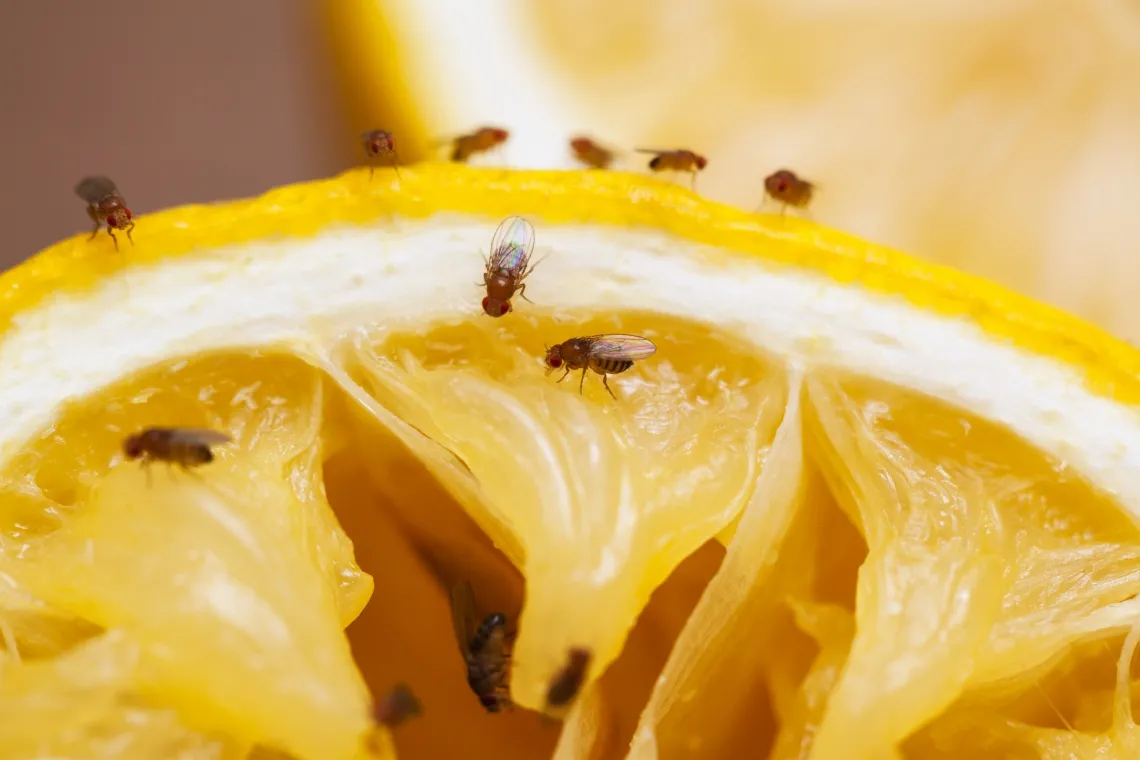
[178, 102]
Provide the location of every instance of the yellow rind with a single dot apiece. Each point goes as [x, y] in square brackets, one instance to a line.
[1111, 367]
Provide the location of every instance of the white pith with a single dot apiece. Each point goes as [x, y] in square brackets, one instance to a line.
[309, 292]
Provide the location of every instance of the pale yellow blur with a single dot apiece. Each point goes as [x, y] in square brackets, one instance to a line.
[999, 136]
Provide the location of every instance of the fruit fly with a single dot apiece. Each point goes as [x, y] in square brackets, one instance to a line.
[379, 143]
[185, 447]
[605, 354]
[105, 206]
[788, 189]
[479, 141]
[676, 161]
[511, 248]
[590, 153]
[484, 647]
[397, 706]
[568, 681]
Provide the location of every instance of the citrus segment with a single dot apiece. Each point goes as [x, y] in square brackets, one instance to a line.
[800, 685]
[603, 499]
[84, 704]
[934, 548]
[957, 514]
[718, 652]
[233, 583]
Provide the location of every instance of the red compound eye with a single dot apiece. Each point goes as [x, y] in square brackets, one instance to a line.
[128, 213]
[504, 308]
[485, 301]
[554, 362]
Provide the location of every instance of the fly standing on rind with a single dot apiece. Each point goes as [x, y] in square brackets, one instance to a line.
[676, 161]
[590, 153]
[379, 143]
[479, 141]
[788, 189]
[106, 207]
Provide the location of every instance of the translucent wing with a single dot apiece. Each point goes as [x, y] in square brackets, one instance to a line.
[655, 151]
[199, 435]
[95, 189]
[512, 245]
[619, 347]
[463, 615]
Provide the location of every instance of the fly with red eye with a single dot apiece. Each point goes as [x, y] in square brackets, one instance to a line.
[479, 141]
[494, 308]
[788, 189]
[604, 354]
[676, 161]
[380, 144]
[105, 207]
[590, 153]
[508, 265]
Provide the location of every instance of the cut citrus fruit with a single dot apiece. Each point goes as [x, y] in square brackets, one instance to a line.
[852, 507]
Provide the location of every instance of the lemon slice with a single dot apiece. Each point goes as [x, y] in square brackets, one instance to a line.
[853, 503]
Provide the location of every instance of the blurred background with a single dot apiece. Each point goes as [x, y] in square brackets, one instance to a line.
[999, 136]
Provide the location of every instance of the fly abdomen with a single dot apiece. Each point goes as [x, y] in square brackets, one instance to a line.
[191, 454]
[610, 366]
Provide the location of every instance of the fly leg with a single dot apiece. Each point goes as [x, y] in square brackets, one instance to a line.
[583, 380]
[114, 239]
[608, 388]
[130, 227]
[693, 179]
[522, 293]
[564, 374]
[95, 219]
[186, 469]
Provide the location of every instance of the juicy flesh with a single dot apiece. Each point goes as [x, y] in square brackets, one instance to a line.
[761, 561]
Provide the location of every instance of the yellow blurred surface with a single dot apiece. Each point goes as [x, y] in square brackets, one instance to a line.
[1000, 137]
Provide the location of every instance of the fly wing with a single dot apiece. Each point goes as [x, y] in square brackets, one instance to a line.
[512, 245]
[463, 615]
[95, 189]
[620, 347]
[199, 435]
[656, 151]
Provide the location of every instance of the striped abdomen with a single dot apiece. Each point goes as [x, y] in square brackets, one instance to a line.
[610, 366]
